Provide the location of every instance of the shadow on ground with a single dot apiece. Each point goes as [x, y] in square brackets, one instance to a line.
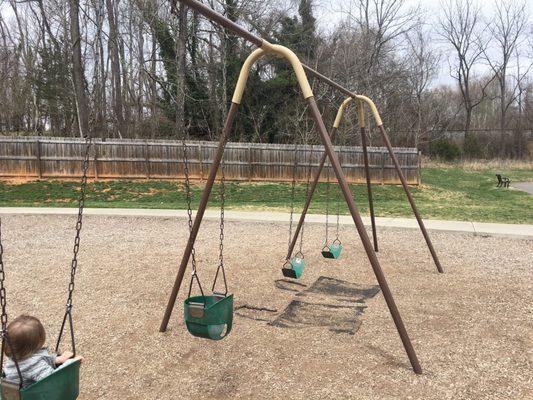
[328, 303]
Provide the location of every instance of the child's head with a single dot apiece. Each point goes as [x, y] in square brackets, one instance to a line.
[27, 336]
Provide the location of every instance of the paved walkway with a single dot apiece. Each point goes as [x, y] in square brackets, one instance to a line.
[525, 186]
[479, 228]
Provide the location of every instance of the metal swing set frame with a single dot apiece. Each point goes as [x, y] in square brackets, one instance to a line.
[301, 71]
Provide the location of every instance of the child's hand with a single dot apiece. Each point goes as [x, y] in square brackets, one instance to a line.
[81, 359]
[64, 357]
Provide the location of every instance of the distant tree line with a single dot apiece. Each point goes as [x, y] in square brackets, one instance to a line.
[153, 69]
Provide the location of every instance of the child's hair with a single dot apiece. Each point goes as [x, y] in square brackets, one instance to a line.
[26, 335]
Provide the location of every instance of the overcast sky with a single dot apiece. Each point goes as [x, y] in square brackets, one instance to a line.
[329, 12]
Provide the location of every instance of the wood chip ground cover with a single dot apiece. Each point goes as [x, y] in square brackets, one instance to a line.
[471, 327]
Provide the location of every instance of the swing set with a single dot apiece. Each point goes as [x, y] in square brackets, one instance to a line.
[210, 321]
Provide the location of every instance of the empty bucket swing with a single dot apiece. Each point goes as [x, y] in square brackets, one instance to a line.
[333, 250]
[294, 267]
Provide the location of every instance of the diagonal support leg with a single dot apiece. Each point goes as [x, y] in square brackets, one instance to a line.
[321, 128]
[410, 198]
[369, 188]
[364, 139]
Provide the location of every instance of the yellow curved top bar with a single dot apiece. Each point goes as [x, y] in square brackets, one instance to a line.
[372, 107]
[278, 51]
[360, 110]
[245, 72]
[340, 113]
[288, 54]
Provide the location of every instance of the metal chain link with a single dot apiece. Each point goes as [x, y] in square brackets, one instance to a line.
[74, 262]
[3, 299]
[309, 171]
[188, 196]
[338, 212]
[79, 223]
[293, 189]
[327, 202]
[338, 219]
[221, 236]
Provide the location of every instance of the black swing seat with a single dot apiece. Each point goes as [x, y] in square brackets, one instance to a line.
[332, 251]
[294, 268]
[289, 273]
[209, 317]
[62, 384]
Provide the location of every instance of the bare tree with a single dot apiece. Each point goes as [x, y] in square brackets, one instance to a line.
[423, 63]
[181, 65]
[507, 30]
[78, 74]
[115, 68]
[381, 22]
[461, 26]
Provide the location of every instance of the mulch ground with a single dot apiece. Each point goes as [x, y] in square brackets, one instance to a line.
[329, 337]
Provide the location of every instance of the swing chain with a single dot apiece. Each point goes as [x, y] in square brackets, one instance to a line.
[221, 236]
[338, 219]
[189, 199]
[293, 189]
[309, 170]
[4, 334]
[327, 203]
[188, 196]
[3, 300]
[74, 262]
[79, 223]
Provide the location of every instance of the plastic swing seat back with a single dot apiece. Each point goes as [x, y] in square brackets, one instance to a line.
[333, 250]
[62, 384]
[294, 268]
[209, 317]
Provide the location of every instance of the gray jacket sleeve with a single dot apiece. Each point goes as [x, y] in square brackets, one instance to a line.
[41, 370]
[44, 365]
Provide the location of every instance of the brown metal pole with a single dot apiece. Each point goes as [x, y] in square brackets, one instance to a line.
[410, 198]
[310, 194]
[369, 188]
[321, 128]
[199, 216]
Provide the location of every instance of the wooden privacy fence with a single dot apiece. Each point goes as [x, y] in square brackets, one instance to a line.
[44, 157]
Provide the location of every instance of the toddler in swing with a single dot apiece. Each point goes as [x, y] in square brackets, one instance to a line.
[27, 337]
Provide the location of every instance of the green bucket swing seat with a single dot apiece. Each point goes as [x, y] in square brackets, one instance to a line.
[209, 317]
[333, 250]
[62, 384]
[294, 268]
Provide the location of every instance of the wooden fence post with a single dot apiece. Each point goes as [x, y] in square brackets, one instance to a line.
[419, 174]
[147, 160]
[201, 160]
[250, 164]
[382, 166]
[38, 158]
[95, 160]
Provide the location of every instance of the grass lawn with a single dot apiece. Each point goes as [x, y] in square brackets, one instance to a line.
[447, 193]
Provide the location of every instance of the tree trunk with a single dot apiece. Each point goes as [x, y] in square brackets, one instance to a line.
[115, 68]
[181, 64]
[78, 75]
[503, 115]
